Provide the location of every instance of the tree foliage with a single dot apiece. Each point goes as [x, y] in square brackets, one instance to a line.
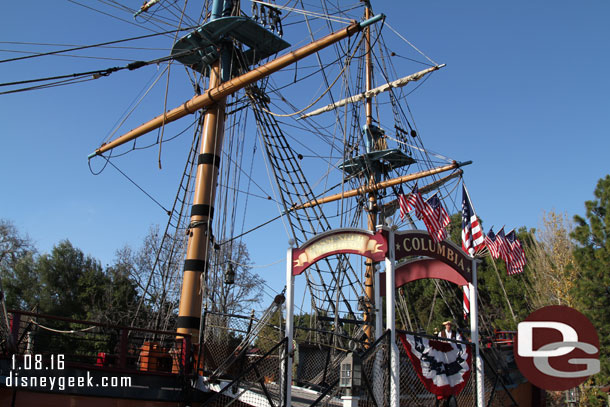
[64, 282]
[592, 255]
[246, 291]
[13, 246]
[503, 299]
[155, 267]
[551, 257]
[67, 283]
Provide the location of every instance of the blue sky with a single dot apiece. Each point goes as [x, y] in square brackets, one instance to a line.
[525, 95]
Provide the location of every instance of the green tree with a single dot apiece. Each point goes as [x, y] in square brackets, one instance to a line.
[13, 246]
[65, 283]
[19, 282]
[120, 298]
[503, 300]
[592, 254]
[72, 284]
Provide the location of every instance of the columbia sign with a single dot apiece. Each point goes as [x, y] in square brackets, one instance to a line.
[557, 348]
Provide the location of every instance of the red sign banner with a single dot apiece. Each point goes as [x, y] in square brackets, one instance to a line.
[419, 243]
[354, 241]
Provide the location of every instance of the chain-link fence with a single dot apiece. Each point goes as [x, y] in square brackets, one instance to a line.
[412, 390]
[414, 393]
[255, 377]
[374, 364]
[259, 383]
[222, 335]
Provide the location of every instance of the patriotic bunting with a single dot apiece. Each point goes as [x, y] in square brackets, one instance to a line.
[443, 367]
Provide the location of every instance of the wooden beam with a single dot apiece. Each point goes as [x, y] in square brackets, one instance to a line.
[227, 88]
[365, 189]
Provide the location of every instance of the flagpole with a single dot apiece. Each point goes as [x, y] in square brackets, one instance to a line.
[474, 333]
[474, 315]
[502, 286]
[474, 212]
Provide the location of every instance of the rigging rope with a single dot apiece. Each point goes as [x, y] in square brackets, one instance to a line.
[413, 46]
[185, 186]
[136, 185]
[291, 182]
[306, 13]
[312, 103]
[101, 44]
[167, 86]
[71, 331]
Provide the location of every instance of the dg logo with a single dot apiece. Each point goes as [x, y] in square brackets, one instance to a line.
[557, 348]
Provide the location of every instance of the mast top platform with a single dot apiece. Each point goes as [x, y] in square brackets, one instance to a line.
[378, 158]
[207, 40]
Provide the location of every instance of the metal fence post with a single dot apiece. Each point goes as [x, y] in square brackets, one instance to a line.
[287, 374]
[123, 348]
[474, 333]
[390, 291]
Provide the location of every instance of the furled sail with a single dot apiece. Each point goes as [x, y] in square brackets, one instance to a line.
[398, 83]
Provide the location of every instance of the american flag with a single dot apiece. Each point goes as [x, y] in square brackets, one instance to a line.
[503, 247]
[517, 254]
[466, 303]
[414, 200]
[492, 244]
[435, 218]
[473, 238]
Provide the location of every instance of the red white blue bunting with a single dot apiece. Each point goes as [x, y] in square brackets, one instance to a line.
[443, 367]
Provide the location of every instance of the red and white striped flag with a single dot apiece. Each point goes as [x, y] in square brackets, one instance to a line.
[517, 254]
[473, 238]
[436, 218]
[492, 245]
[504, 249]
[466, 302]
[414, 200]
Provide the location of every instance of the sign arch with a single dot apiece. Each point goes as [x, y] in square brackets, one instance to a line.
[424, 258]
[372, 245]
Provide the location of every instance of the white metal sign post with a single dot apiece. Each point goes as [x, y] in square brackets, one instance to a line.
[391, 322]
[474, 332]
[286, 387]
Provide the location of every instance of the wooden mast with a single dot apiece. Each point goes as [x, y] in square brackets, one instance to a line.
[200, 231]
[202, 212]
[372, 200]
